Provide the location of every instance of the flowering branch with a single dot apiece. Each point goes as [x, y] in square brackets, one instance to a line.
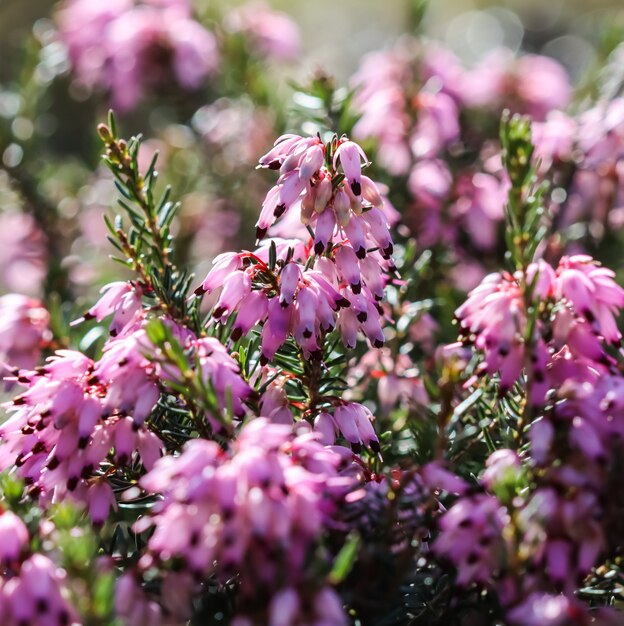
[148, 244]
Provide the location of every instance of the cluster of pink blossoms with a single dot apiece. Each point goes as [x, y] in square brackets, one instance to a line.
[559, 531]
[479, 516]
[352, 420]
[255, 511]
[411, 99]
[477, 537]
[583, 155]
[72, 415]
[578, 303]
[32, 587]
[122, 301]
[24, 331]
[79, 418]
[425, 112]
[575, 447]
[325, 184]
[271, 33]
[131, 47]
[337, 280]
[22, 253]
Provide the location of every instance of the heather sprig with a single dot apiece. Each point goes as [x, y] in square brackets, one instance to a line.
[146, 244]
[525, 211]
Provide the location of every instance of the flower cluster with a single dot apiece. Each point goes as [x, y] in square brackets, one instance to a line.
[214, 367]
[272, 33]
[32, 588]
[24, 331]
[430, 86]
[480, 517]
[73, 413]
[78, 419]
[254, 511]
[425, 112]
[397, 380]
[584, 433]
[299, 299]
[22, 253]
[307, 290]
[325, 183]
[353, 421]
[575, 306]
[131, 48]
[295, 444]
[557, 532]
[583, 156]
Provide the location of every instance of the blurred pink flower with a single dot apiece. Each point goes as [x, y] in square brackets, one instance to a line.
[272, 33]
[532, 84]
[480, 208]
[22, 253]
[24, 331]
[130, 48]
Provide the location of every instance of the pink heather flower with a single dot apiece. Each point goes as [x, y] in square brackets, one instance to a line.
[442, 68]
[325, 426]
[430, 184]
[480, 208]
[584, 300]
[151, 46]
[541, 609]
[399, 382]
[351, 420]
[289, 608]
[354, 421]
[83, 25]
[438, 478]
[500, 466]
[223, 265]
[73, 412]
[380, 97]
[271, 33]
[24, 331]
[562, 533]
[274, 403]
[471, 537]
[595, 192]
[554, 139]
[129, 375]
[132, 606]
[591, 416]
[573, 447]
[600, 134]
[387, 111]
[592, 292]
[543, 85]
[130, 48]
[36, 594]
[533, 84]
[397, 377]
[298, 298]
[123, 301]
[216, 368]
[22, 253]
[494, 314]
[352, 210]
[221, 509]
[437, 126]
[14, 537]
